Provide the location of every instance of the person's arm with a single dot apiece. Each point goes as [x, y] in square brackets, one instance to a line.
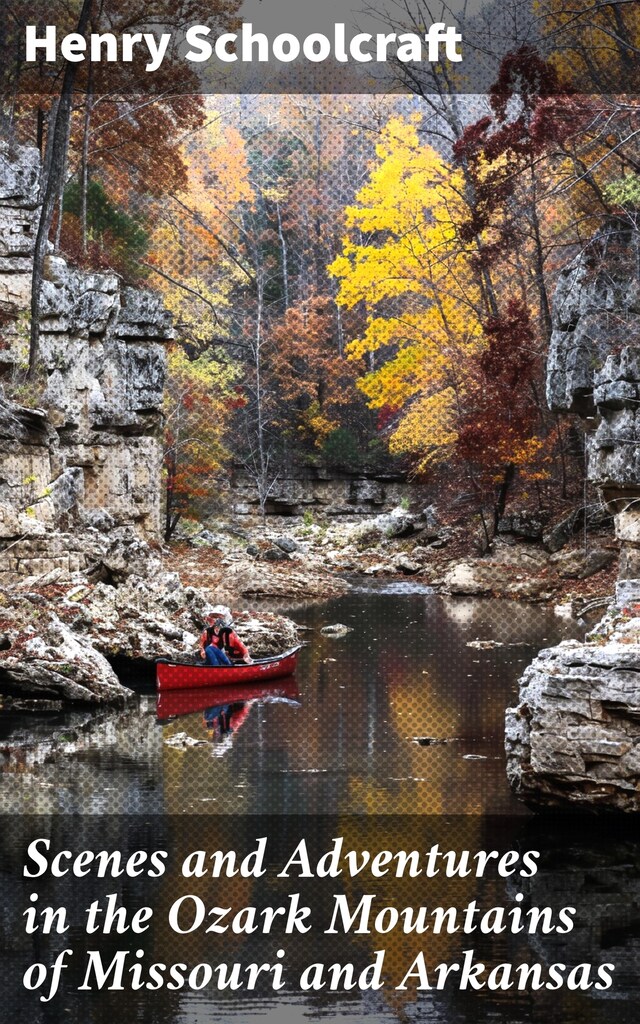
[201, 644]
[237, 645]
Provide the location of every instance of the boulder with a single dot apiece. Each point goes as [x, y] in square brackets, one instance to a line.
[528, 525]
[561, 533]
[397, 523]
[578, 565]
[208, 539]
[475, 577]
[572, 738]
[421, 554]
[54, 662]
[406, 565]
[275, 554]
[286, 544]
[337, 630]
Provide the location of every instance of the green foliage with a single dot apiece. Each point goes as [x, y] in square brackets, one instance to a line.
[341, 449]
[107, 222]
[624, 192]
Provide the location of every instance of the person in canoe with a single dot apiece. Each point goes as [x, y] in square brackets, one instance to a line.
[218, 642]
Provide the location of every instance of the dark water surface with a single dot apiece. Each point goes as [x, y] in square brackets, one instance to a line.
[391, 738]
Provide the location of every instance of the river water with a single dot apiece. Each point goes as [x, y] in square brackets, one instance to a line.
[390, 738]
[400, 715]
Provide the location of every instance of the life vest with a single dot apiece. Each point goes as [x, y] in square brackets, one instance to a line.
[222, 640]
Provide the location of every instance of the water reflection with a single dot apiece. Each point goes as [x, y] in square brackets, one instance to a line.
[400, 715]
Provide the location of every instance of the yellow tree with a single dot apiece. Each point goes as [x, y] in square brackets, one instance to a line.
[403, 261]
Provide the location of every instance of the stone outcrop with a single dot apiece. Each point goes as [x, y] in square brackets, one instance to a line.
[86, 460]
[52, 662]
[574, 737]
[594, 370]
[328, 494]
[60, 636]
[81, 576]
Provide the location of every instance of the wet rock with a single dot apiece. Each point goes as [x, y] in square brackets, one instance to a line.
[33, 704]
[572, 738]
[337, 630]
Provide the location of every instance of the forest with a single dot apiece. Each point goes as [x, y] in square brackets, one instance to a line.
[362, 283]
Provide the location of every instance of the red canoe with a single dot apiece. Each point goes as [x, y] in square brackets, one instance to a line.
[172, 676]
[188, 702]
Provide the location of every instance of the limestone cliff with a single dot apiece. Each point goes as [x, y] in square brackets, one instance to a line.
[574, 738]
[81, 469]
[82, 582]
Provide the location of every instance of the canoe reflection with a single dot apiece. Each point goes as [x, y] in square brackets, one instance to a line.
[173, 703]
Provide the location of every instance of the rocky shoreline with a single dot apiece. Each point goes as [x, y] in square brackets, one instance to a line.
[62, 632]
[292, 557]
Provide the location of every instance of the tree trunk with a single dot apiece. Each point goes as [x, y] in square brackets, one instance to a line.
[262, 467]
[285, 268]
[61, 186]
[84, 164]
[171, 518]
[501, 499]
[56, 147]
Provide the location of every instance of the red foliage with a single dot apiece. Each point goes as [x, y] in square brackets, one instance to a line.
[526, 74]
[385, 416]
[501, 408]
[529, 115]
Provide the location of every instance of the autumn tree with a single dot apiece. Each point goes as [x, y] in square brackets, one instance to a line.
[199, 393]
[401, 260]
